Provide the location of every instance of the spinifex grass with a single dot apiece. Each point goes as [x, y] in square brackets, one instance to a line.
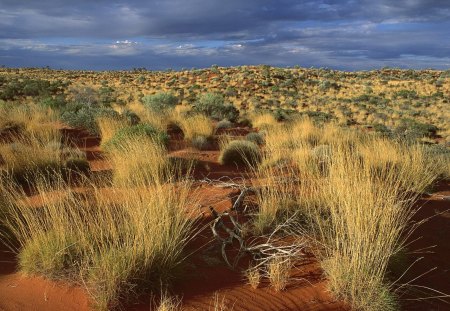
[115, 241]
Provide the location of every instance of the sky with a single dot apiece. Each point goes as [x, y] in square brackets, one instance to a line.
[177, 34]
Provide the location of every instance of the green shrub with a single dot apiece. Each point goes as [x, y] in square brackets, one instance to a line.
[240, 152]
[139, 130]
[406, 94]
[224, 124]
[257, 138]
[84, 116]
[245, 122]
[54, 103]
[160, 102]
[382, 129]
[214, 106]
[412, 129]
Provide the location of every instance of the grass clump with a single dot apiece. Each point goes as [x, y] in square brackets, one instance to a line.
[253, 276]
[240, 152]
[138, 160]
[278, 272]
[85, 116]
[113, 241]
[133, 131]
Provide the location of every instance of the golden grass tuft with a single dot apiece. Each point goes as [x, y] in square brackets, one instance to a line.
[278, 272]
[137, 161]
[253, 276]
[195, 126]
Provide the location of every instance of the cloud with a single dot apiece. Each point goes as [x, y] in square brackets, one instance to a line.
[345, 34]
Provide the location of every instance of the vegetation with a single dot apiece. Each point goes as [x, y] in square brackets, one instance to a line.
[160, 102]
[332, 163]
[214, 106]
[240, 152]
[124, 134]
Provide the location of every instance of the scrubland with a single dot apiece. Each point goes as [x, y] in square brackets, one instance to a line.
[327, 167]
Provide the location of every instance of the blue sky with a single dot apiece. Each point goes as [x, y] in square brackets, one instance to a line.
[346, 34]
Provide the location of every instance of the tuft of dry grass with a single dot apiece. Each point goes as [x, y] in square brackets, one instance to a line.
[196, 126]
[264, 121]
[278, 272]
[219, 304]
[137, 161]
[253, 276]
[169, 303]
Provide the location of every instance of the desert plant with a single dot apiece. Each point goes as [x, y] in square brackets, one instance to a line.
[160, 102]
[224, 124]
[257, 138]
[253, 276]
[196, 126]
[263, 121]
[356, 206]
[84, 116]
[169, 303]
[240, 152]
[108, 127]
[201, 142]
[111, 242]
[214, 106]
[138, 160]
[278, 272]
[133, 131]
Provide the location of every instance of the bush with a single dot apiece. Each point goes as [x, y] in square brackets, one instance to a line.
[256, 138]
[412, 129]
[83, 116]
[224, 124]
[136, 131]
[214, 106]
[240, 152]
[53, 103]
[160, 102]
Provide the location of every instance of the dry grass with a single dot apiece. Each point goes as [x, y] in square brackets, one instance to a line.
[354, 193]
[169, 303]
[220, 304]
[263, 121]
[109, 126]
[195, 126]
[112, 241]
[278, 272]
[139, 161]
[253, 276]
[275, 199]
[157, 120]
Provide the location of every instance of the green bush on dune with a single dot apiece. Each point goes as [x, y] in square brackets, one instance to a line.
[160, 102]
[213, 105]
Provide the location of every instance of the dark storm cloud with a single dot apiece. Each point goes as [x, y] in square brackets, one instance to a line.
[346, 34]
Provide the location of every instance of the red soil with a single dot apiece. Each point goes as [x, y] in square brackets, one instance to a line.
[431, 243]
[205, 275]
